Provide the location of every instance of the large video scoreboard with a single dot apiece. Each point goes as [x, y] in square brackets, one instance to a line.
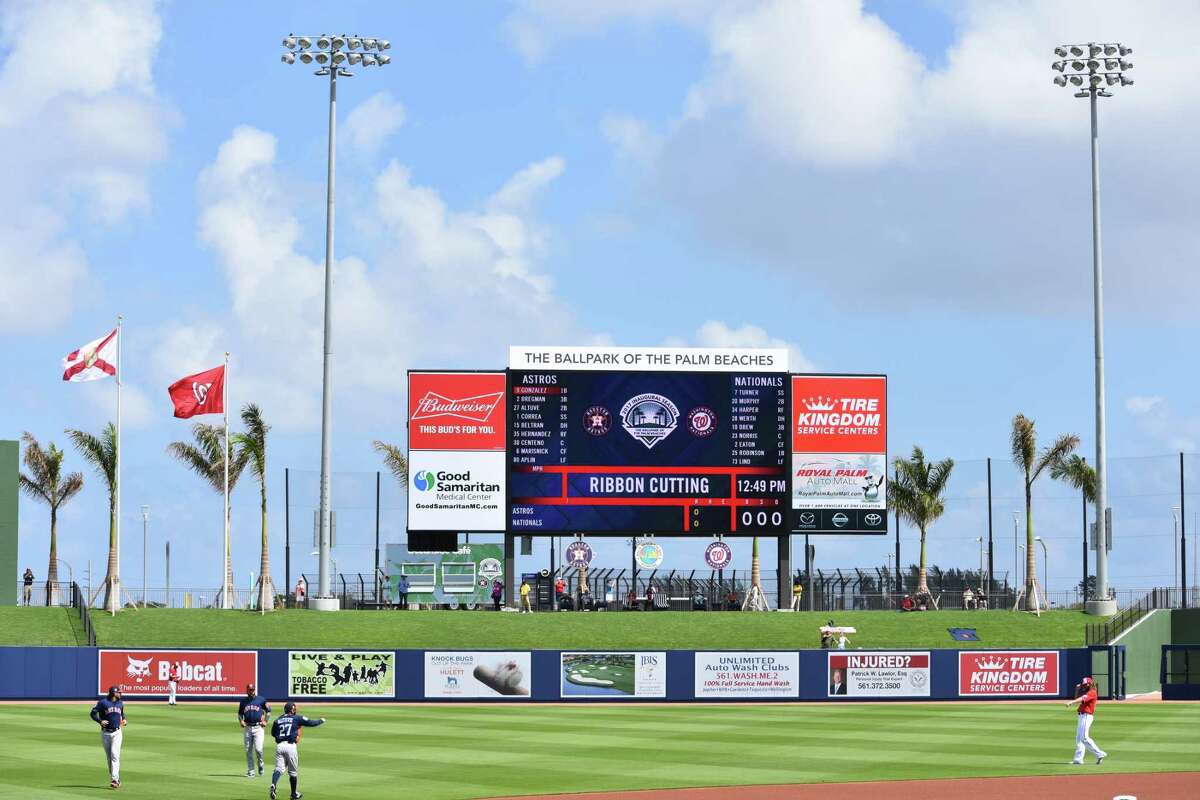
[646, 451]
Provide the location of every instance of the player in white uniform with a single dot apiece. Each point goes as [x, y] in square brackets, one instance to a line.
[1086, 700]
[109, 714]
[253, 715]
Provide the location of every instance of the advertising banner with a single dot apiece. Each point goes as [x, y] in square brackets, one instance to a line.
[456, 439]
[885, 674]
[747, 674]
[202, 673]
[451, 491]
[341, 673]
[1007, 673]
[839, 453]
[456, 411]
[477, 675]
[613, 675]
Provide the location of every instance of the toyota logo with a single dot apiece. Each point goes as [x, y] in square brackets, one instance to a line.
[840, 520]
[873, 519]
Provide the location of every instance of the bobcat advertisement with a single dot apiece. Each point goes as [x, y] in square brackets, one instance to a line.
[202, 673]
[341, 673]
[487, 674]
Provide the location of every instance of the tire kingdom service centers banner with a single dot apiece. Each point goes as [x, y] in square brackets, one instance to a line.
[839, 453]
[456, 441]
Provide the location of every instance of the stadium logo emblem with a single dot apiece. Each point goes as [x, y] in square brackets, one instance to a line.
[918, 678]
[702, 421]
[579, 554]
[424, 480]
[597, 421]
[718, 555]
[873, 519]
[840, 520]
[649, 555]
[490, 569]
[200, 391]
[649, 418]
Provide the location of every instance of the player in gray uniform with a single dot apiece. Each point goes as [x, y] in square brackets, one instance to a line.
[286, 732]
[109, 714]
[253, 715]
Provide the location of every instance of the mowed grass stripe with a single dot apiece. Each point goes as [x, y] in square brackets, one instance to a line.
[456, 752]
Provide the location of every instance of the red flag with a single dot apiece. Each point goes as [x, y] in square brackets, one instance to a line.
[202, 393]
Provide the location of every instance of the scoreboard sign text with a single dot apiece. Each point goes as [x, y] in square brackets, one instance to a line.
[1007, 673]
[202, 673]
[341, 673]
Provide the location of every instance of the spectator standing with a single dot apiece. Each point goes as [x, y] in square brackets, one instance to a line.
[402, 591]
[842, 641]
[525, 607]
[560, 587]
[797, 593]
[27, 596]
[649, 597]
[968, 598]
[299, 592]
[497, 594]
[826, 639]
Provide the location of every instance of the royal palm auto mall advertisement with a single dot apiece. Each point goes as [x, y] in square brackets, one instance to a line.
[747, 674]
[839, 453]
[456, 440]
[885, 674]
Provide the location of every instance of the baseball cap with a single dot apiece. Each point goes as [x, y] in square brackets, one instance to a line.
[1087, 680]
[289, 707]
[249, 688]
[113, 690]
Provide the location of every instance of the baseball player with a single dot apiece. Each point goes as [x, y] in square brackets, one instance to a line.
[172, 683]
[253, 715]
[286, 730]
[109, 714]
[1085, 698]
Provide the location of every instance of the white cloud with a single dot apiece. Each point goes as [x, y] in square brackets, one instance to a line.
[1158, 420]
[73, 139]
[372, 122]
[535, 26]
[835, 153]
[715, 333]
[441, 286]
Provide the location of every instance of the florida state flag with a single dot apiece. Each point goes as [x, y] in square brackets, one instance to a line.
[202, 393]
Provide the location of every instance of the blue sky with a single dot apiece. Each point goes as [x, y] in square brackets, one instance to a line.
[882, 187]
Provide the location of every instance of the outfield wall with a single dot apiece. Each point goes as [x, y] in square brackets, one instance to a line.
[83, 673]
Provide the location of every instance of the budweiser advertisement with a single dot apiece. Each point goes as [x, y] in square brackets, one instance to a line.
[839, 453]
[202, 673]
[456, 411]
[1007, 673]
[457, 430]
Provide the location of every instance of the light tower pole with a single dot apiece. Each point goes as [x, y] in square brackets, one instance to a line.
[330, 52]
[1094, 66]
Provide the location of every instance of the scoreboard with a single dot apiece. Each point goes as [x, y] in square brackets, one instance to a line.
[639, 452]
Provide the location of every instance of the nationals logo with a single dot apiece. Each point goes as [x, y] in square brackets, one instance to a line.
[202, 673]
[1009, 672]
[456, 410]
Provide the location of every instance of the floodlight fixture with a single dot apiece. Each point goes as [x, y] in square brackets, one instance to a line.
[323, 43]
[1095, 50]
[1123, 50]
[1059, 66]
[338, 57]
[355, 58]
[354, 42]
[337, 42]
[368, 44]
[1110, 49]
[1076, 50]
[304, 42]
[1126, 64]
[382, 59]
[289, 42]
[1060, 80]
[368, 60]
[288, 58]
[322, 57]
[306, 57]
[1126, 81]
[383, 44]
[1061, 52]
[1077, 80]
[1078, 66]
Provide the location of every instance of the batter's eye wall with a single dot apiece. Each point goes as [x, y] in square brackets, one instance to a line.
[59, 673]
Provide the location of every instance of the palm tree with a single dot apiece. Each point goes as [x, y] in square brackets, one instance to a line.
[394, 459]
[916, 494]
[252, 447]
[1075, 471]
[1032, 463]
[207, 459]
[45, 482]
[101, 452]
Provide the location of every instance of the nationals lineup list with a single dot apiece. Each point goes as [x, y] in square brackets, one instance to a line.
[637, 451]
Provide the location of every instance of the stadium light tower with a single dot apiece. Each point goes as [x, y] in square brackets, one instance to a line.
[330, 52]
[1093, 67]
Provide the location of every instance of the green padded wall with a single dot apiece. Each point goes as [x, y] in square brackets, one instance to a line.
[9, 464]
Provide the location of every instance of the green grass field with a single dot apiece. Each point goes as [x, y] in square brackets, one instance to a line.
[445, 751]
[659, 630]
[39, 626]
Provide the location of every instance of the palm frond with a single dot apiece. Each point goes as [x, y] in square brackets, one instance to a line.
[206, 457]
[99, 451]
[1023, 442]
[1062, 447]
[252, 444]
[1075, 471]
[394, 459]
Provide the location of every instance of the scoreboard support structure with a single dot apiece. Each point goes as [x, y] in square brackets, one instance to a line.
[784, 550]
[510, 564]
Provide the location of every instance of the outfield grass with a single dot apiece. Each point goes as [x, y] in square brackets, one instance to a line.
[39, 626]
[442, 752]
[567, 630]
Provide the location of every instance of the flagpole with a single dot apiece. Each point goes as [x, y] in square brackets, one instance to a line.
[116, 579]
[227, 600]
